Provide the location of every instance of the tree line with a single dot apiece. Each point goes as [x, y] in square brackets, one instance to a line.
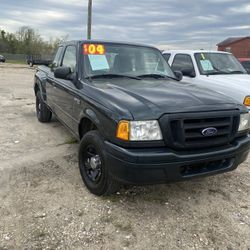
[27, 41]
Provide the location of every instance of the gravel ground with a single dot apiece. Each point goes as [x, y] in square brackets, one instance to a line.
[44, 204]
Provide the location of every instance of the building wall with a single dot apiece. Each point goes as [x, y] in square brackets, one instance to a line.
[239, 49]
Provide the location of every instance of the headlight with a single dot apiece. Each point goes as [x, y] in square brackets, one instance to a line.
[244, 122]
[139, 131]
[247, 101]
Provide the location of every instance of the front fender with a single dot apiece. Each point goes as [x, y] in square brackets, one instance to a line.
[102, 120]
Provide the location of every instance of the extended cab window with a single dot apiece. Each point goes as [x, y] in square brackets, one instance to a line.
[58, 56]
[182, 62]
[69, 59]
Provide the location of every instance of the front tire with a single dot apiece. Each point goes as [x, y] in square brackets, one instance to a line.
[93, 165]
[42, 111]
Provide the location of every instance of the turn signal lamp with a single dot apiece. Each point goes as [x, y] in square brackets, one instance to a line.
[247, 101]
[123, 130]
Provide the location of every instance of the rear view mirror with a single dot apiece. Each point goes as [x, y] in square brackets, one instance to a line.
[188, 72]
[62, 73]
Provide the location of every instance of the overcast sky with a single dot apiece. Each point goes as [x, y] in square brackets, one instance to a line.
[172, 23]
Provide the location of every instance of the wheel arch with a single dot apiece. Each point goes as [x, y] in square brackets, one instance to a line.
[88, 122]
[38, 86]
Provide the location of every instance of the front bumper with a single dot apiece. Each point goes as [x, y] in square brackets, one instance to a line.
[160, 165]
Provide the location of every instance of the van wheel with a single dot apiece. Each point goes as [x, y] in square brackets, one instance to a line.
[93, 167]
[42, 111]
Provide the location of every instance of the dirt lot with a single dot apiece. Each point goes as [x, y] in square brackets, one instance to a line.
[44, 204]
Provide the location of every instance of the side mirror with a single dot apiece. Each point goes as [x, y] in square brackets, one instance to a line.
[188, 72]
[178, 75]
[62, 73]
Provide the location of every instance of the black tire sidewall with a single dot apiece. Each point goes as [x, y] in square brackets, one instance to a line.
[45, 114]
[94, 138]
[38, 101]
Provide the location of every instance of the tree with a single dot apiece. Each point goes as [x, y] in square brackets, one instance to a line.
[27, 41]
[3, 34]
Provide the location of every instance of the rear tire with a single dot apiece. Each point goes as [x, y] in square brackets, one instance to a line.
[42, 111]
[93, 166]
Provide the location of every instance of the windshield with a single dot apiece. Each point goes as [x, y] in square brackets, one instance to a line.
[110, 60]
[218, 63]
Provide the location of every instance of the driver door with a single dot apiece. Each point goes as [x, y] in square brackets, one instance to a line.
[64, 89]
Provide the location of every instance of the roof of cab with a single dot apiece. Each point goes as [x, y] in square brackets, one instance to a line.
[193, 51]
[105, 41]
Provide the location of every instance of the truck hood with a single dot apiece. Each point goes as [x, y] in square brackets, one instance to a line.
[241, 83]
[235, 86]
[149, 99]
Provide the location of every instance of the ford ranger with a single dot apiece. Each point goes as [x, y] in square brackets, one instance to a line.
[136, 123]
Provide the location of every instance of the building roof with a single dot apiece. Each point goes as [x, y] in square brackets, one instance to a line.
[231, 40]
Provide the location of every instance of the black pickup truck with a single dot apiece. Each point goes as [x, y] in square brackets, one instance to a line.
[136, 122]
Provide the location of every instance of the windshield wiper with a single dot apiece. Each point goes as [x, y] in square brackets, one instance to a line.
[236, 72]
[157, 76]
[217, 73]
[112, 76]
[225, 72]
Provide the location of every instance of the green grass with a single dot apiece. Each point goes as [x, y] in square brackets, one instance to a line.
[16, 61]
[70, 140]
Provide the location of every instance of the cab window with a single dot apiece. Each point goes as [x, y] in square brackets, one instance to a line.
[57, 59]
[183, 63]
[69, 59]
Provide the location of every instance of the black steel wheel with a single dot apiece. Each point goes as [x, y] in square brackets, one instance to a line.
[92, 164]
[93, 167]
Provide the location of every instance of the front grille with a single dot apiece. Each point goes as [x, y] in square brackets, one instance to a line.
[184, 131]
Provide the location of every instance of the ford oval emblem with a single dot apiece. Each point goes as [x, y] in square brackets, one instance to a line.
[209, 132]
